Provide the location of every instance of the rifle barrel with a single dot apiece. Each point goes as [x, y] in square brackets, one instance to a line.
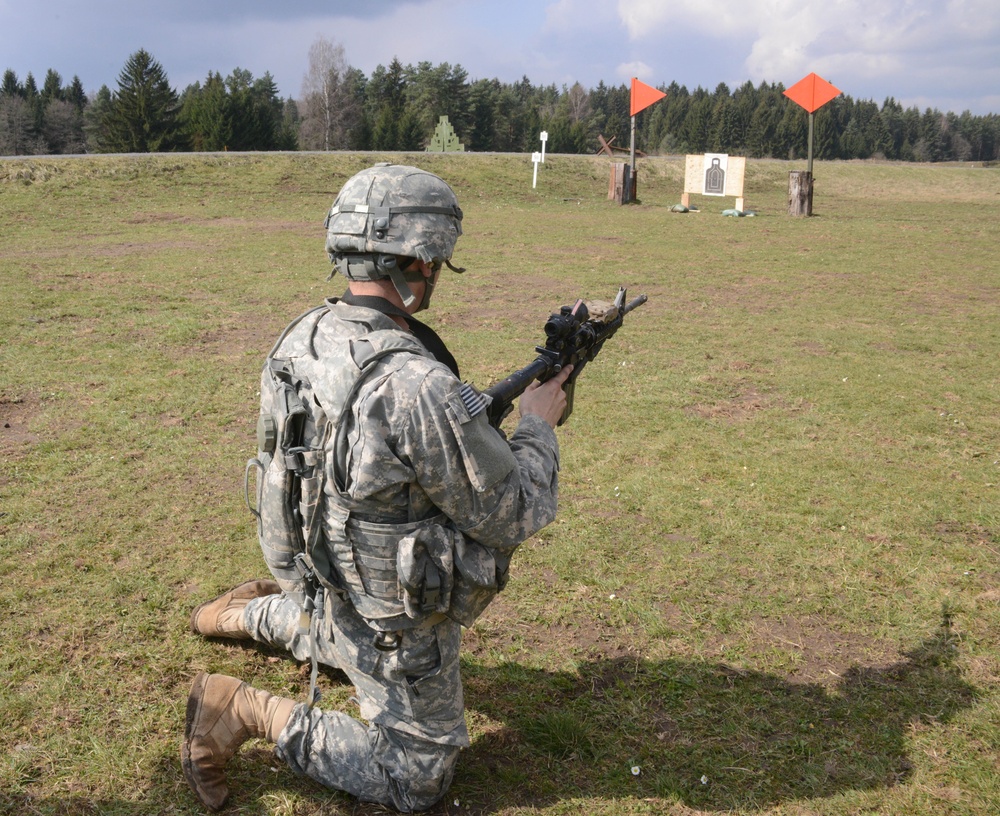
[635, 303]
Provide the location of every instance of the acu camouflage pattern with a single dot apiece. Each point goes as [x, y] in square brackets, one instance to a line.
[394, 210]
[390, 453]
[408, 466]
[302, 407]
[407, 448]
[405, 756]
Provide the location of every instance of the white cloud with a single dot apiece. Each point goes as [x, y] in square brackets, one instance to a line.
[899, 47]
[942, 52]
[637, 69]
[645, 18]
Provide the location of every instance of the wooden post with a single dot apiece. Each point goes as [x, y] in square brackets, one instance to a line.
[620, 188]
[800, 192]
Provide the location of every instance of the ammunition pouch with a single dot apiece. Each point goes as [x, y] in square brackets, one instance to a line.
[399, 576]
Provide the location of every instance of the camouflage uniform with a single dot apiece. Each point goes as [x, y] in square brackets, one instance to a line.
[414, 451]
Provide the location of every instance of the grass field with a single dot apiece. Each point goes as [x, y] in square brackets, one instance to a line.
[774, 585]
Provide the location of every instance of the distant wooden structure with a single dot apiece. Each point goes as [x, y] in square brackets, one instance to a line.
[609, 147]
[621, 185]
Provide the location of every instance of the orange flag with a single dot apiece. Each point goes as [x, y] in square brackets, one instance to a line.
[643, 96]
[812, 92]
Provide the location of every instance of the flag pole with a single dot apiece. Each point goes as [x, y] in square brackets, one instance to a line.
[812, 115]
[633, 146]
[642, 97]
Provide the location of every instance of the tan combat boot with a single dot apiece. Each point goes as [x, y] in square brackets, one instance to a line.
[222, 714]
[223, 616]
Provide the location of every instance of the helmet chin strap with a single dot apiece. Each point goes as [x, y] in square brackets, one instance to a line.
[402, 287]
[429, 284]
[401, 281]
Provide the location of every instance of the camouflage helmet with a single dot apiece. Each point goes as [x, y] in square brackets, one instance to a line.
[388, 211]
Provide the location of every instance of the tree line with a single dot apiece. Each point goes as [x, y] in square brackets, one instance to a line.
[398, 107]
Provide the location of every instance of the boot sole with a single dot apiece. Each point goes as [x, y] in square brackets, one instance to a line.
[190, 717]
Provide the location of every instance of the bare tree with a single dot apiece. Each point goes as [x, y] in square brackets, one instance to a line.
[63, 127]
[18, 134]
[331, 110]
[579, 103]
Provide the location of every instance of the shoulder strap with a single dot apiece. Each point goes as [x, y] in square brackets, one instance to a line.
[288, 329]
[365, 352]
[424, 333]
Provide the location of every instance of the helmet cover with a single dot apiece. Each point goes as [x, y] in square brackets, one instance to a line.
[387, 211]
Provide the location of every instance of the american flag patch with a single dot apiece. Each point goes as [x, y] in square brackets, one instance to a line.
[475, 403]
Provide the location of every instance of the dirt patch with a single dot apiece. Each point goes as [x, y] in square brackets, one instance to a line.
[220, 221]
[579, 638]
[16, 413]
[821, 653]
[738, 409]
[231, 342]
[824, 654]
[969, 532]
[747, 400]
[813, 347]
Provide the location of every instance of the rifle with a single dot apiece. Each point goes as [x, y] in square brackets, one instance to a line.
[572, 336]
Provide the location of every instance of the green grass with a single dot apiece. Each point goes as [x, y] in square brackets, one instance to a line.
[773, 584]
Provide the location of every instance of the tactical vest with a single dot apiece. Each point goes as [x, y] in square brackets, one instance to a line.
[396, 575]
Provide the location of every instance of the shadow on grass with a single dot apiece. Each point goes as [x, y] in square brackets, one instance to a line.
[708, 735]
[705, 734]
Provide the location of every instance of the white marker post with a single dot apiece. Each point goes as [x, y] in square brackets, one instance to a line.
[545, 138]
[536, 158]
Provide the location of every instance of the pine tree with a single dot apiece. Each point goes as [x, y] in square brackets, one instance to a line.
[206, 116]
[94, 114]
[52, 87]
[767, 132]
[35, 106]
[10, 85]
[436, 91]
[929, 145]
[143, 115]
[826, 144]
[483, 96]
[385, 104]
[288, 132]
[698, 122]
[76, 95]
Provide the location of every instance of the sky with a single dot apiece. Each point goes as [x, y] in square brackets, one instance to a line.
[942, 54]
